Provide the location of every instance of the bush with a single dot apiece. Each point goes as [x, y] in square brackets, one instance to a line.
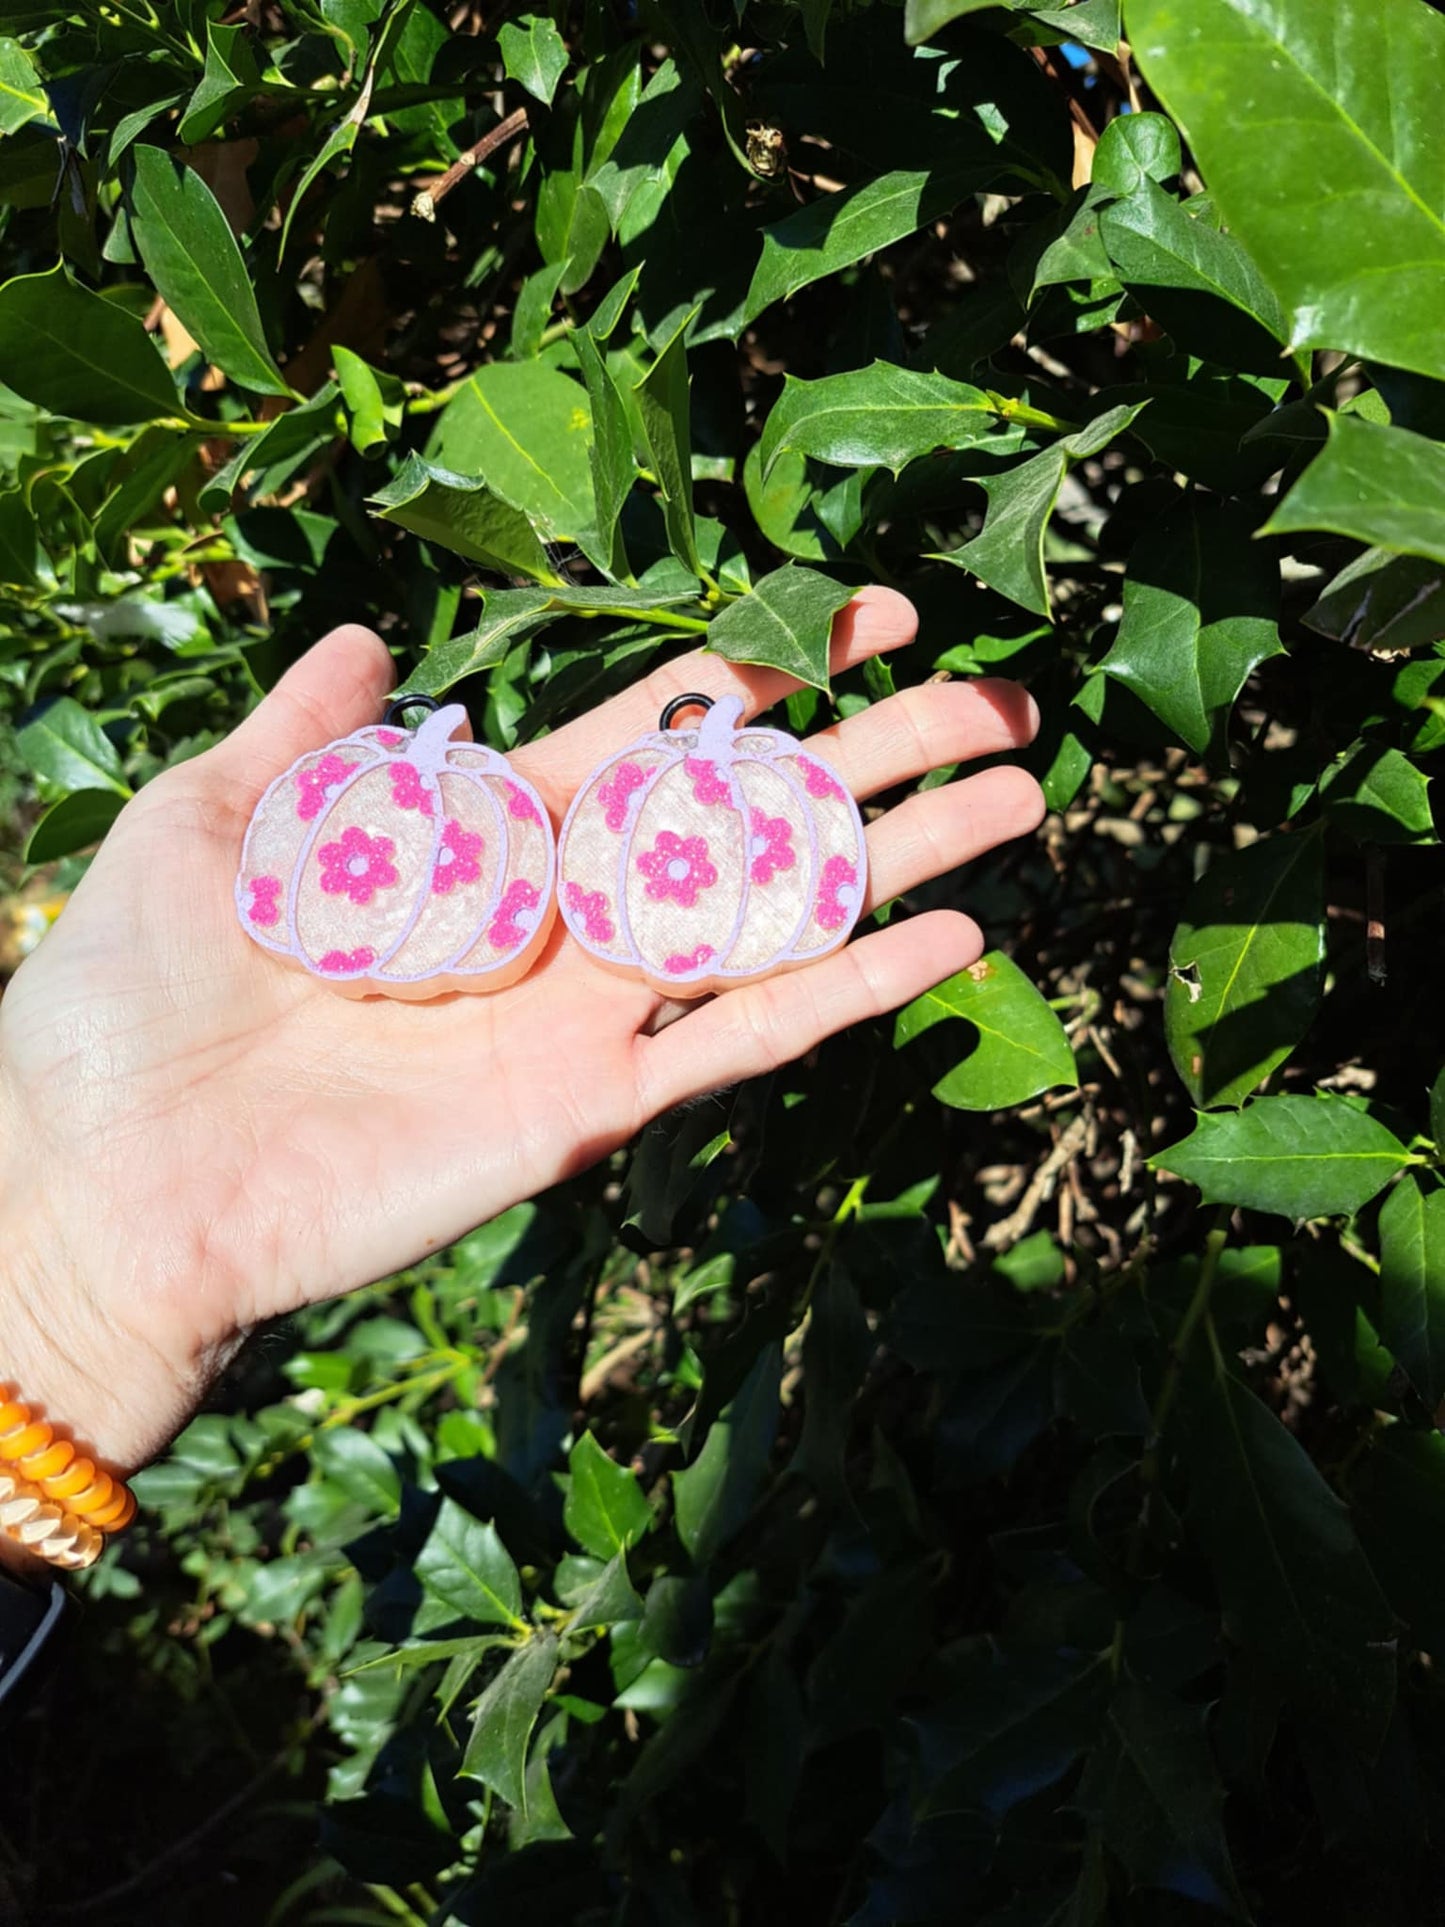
[947, 1479]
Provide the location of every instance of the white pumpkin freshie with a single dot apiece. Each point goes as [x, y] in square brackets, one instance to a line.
[401, 862]
[711, 856]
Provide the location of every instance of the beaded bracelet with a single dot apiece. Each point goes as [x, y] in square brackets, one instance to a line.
[53, 1502]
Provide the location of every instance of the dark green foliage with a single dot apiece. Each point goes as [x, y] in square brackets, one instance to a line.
[953, 1479]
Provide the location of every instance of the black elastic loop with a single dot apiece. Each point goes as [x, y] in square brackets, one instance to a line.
[680, 703]
[394, 712]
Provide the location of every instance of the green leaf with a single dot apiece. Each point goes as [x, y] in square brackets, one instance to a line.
[1197, 283]
[375, 401]
[1009, 552]
[1385, 486]
[466, 1566]
[1437, 1110]
[508, 616]
[613, 464]
[1333, 177]
[836, 230]
[268, 461]
[524, 428]
[837, 1352]
[714, 1495]
[1412, 1285]
[785, 623]
[609, 1599]
[504, 1717]
[879, 416]
[75, 822]
[1379, 796]
[1152, 1792]
[191, 255]
[1245, 967]
[1295, 1586]
[464, 516]
[606, 1509]
[353, 1460]
[1384, 602]
[1011, 1723]
[19, 541]
[533, 54]
[22, 95]
[924, 18]
[78, 355]
[662, 403]
[1400, 1514]
[229, 79]
[1200, 604]
[1134, 148]
[1021, 1048]
[677, 1621]
[69, 749]
[1304, 1157]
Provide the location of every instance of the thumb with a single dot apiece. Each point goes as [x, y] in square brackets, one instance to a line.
[339, 685]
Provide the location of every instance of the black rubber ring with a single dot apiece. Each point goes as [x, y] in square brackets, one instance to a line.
[394, 711]
[680, 703]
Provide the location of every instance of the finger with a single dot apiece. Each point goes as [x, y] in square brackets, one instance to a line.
[751, 1031]
[340, 684]
[927, 728]
[928, 835]
[876, 620]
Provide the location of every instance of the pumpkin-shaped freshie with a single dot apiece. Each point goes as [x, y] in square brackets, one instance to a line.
[710, 856]
[401, 862]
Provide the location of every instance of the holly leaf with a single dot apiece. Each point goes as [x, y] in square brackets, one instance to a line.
[1304, 1157]
[78, 355]
[1246, 967]
[191, 255]
[1021, 1047]
[504, 1717]
[786, 623]
[1200, 605]
[1412, 1285]
[606, 1509]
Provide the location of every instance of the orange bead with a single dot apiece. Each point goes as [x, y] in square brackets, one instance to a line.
[19, 1444]
[112, 1516]
[76, 1477]
[95, 1498]
[49, 1462]
[12, 1413]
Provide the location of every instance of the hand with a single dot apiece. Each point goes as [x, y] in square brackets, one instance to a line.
[194, 1138]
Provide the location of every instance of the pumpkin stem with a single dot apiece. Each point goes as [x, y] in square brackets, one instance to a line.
[429, 744]
[719, 726]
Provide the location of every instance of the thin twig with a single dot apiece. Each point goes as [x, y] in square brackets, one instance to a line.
[424, 205]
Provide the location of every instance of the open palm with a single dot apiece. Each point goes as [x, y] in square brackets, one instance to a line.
[217, 1139]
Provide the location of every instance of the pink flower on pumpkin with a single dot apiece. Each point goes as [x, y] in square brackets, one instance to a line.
[616, 795]
[707, 785]
[677, 867]
[820, 781]
[520, 805]
[316, 786]
[342, 962]
[408, 792]
[265, 900]
[680, 966]
[507, 930]
[459, 860]
[358, 865]
[770, 846]
[590, 909]
[837, 892]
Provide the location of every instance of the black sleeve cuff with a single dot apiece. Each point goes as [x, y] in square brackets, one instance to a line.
[29, 1618]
